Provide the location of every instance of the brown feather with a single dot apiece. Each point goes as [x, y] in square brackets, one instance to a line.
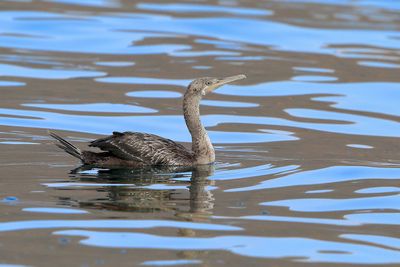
[146, 149]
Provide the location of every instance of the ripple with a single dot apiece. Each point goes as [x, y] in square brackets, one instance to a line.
[9, 83]
[99, 30]
[36, 73]
[347, 96]
[251, 246]
[387, 241]
[350, 124]
[291, 219]
[237, 58]
[55, 210]
[318, 191]
[318, 70]
[96, 3]
[110, 224]
[375, 218]
[311, 78]
[326, 205]
[9, 199]
[142, 80]
[161, 125]
[377, 64]
[95, 107]
[170, 262]
[348, 220]
[100, 185]
[115, 63]
[193, 8]
[203, 53]
[382, 4]
[74, 46]
[375, 190]
[201, 67]
[361, 146]
[17, 143]
[96, 34]
[13, 265]
[154, 94]
[325, 176]
[167, 125]
[249, 172]
[85, 185]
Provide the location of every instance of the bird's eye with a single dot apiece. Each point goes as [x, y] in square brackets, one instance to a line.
[208, 83]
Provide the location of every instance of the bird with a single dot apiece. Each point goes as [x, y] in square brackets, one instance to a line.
[136, 149]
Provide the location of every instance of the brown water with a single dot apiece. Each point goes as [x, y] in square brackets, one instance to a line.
[307, 147]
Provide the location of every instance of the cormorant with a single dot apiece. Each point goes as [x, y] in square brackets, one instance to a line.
[134, 149]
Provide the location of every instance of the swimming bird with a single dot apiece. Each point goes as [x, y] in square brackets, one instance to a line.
[135, 149]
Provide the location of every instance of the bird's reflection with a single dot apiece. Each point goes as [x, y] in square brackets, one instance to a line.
[183, 191]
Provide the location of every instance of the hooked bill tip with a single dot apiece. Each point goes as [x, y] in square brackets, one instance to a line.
[233, 78]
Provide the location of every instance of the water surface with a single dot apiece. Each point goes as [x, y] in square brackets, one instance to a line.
[308, 162]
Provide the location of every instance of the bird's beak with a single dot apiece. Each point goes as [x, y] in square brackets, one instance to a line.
[223, 81]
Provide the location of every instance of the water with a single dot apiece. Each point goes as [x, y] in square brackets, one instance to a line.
[308, 162]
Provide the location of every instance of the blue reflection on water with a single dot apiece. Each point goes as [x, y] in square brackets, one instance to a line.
[36, 73]
[115, 34]
[111, 224]
[375, 218]
[384, 4]
[325, 176]
[10, 83]
[98, 3]
[170, 262]
[387, 241]
[188, 8]
[317, 70]
[326, 205]
[305, 249]
[162, 125]
[95, 107]
[251, 172]
[291, 219]
[311, 78]
[376, 64]
[154, 94]
[167, 125]
[115, 63]
[364, 125]
[319, 191]
[348, 220]
[93, 37]
[375, 190]
[348, 96]
[143, 80]
[12, 265]
[17, 143]
[54, 210]
[359, 146]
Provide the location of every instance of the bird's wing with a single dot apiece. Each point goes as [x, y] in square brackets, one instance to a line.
[149, 149]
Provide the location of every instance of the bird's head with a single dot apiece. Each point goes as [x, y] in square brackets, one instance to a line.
[203, 86]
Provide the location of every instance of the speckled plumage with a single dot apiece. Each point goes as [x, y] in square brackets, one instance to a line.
[134, 149]
[146, 149]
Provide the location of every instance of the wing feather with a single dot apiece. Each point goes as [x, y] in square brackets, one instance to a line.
[148, 149]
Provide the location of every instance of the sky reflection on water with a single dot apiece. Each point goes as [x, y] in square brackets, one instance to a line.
[307, 146]
[62, 34]
[305, 250]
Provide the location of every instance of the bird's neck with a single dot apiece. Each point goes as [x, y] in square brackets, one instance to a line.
[201, 144]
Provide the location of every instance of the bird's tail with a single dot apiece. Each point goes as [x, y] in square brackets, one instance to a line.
[67, 146]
